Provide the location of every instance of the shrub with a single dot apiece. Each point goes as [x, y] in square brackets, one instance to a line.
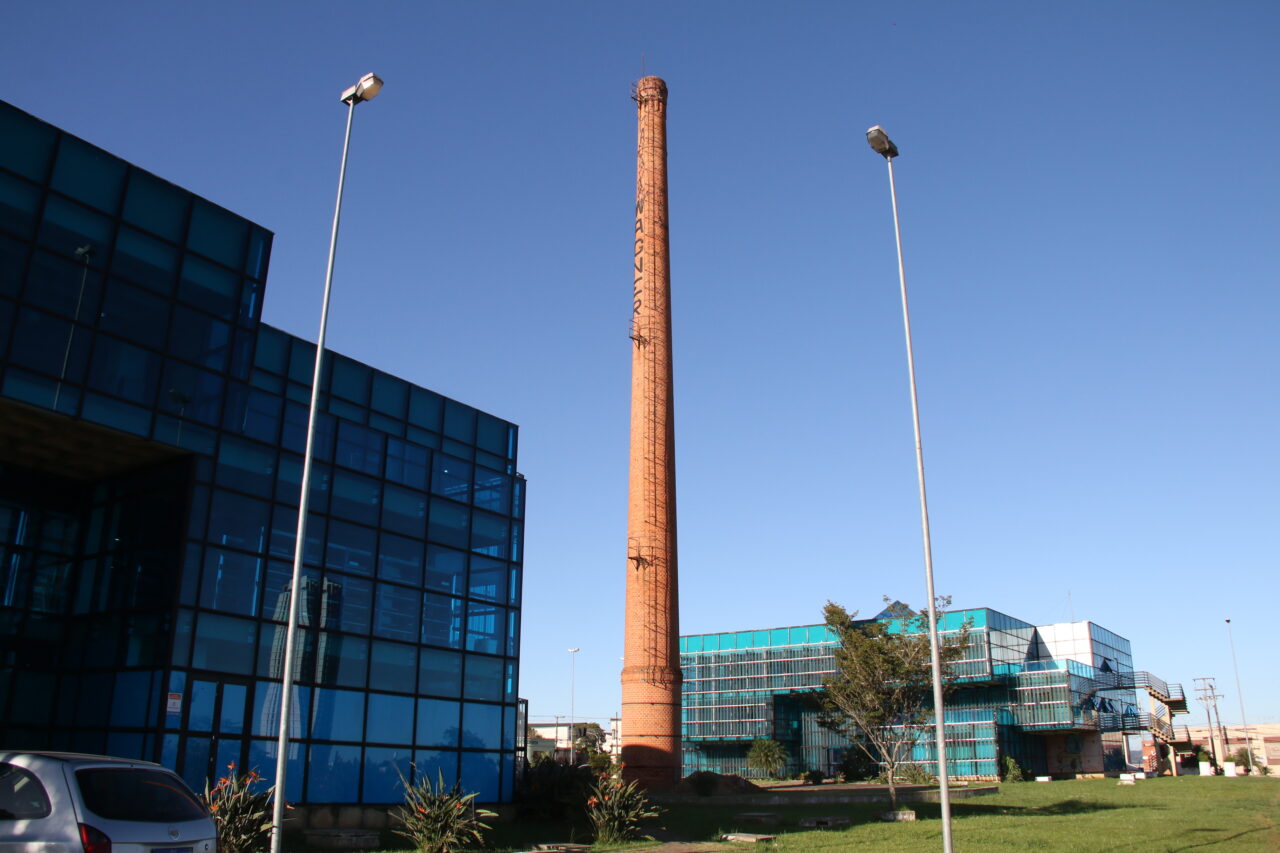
[438, 819]
[857, 766]
[909, 774]
[1240, 757]
[601, 762]
[814, 777]
[615, 809]
[767, 756]
[1011, 770]
[241, 814]
[552, 791]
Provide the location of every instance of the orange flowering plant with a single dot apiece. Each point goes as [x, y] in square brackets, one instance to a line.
[240, 810]
[615, 809]
[438, 819]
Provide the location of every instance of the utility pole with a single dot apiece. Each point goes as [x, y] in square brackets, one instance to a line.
[1209, 696]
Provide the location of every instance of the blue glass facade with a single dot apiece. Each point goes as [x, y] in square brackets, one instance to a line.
[1037, 694]
[151, 439]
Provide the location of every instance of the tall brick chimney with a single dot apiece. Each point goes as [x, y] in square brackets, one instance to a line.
[651, 666]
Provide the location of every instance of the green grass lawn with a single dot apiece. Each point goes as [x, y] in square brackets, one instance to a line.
[1189, 813]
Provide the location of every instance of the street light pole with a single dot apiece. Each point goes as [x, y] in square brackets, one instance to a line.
[1248, 744]
[881, 144]
[573, 672]
[366, 89]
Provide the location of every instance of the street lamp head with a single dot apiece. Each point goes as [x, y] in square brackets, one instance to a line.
[366, 90]
[575, 650]
[881, 143]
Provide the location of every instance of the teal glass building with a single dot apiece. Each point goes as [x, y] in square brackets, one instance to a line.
[151, 439]
[1057, 698]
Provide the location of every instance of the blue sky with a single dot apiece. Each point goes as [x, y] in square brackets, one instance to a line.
[1090, 209]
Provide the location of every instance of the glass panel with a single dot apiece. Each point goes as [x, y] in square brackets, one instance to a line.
[156, 205]
[231, 717]
[400, 559]
[481, 726]
[273, 351]
[355, 498]
[113, 413]
[440, 672]
[255, 265]
[28, 143]
[488, 579]
[390, 719]
[489, 534]
[390, 395]
[266, 709]
[359, 448]
[451, 477]
[493, 490]
[483, 678]
[333, 774]
[350, 548]
[481, 773]
[230, 582]
[446, 570]
[284, 534]
[262, 757]
[351, 602]
[337, 715]
[339, 660]
[393, 666]
[19, 202]
[485, 628]
[302, 361]
[437, 723]
[136, 314]
[224, 644]
[350, 380]
[440, 766]
[217, 234]
[491, 434]
[123, 370]
[459, 422]
[209, 287]
[404, 511]
[200, 338]
[442, 621]
[407, 463]
[396, 616]
[46, 343]
[88, 174]
[425, 408]
[246, 466]
[253, 413]
[67, 227]
[448, 523]
[145, 261]
[294, 436]
[191, 393]
[383, 769]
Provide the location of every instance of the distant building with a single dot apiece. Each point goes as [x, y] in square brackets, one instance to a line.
[1057, 698]
[151, 439]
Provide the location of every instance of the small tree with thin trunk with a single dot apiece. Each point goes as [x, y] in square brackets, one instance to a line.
[767, 756]
[882, 690]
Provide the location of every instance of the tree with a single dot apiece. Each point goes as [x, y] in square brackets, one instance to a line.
[881, 692]
[767, 756]
[589, 740]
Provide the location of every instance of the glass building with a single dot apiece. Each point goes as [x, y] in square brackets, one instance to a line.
[1057, 698]
[151, 440]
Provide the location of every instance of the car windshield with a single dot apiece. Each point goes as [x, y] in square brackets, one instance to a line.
[137, 794]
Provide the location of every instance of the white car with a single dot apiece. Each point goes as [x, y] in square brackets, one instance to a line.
[60, 802]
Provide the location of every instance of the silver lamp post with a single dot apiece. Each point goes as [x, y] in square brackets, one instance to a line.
[881, 144]
[1248, 744]
[366, 89]
[573, 671]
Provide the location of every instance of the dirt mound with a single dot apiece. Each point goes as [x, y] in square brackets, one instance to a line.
[704, 783]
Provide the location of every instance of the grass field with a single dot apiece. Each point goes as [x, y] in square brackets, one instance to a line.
[1188, 813]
